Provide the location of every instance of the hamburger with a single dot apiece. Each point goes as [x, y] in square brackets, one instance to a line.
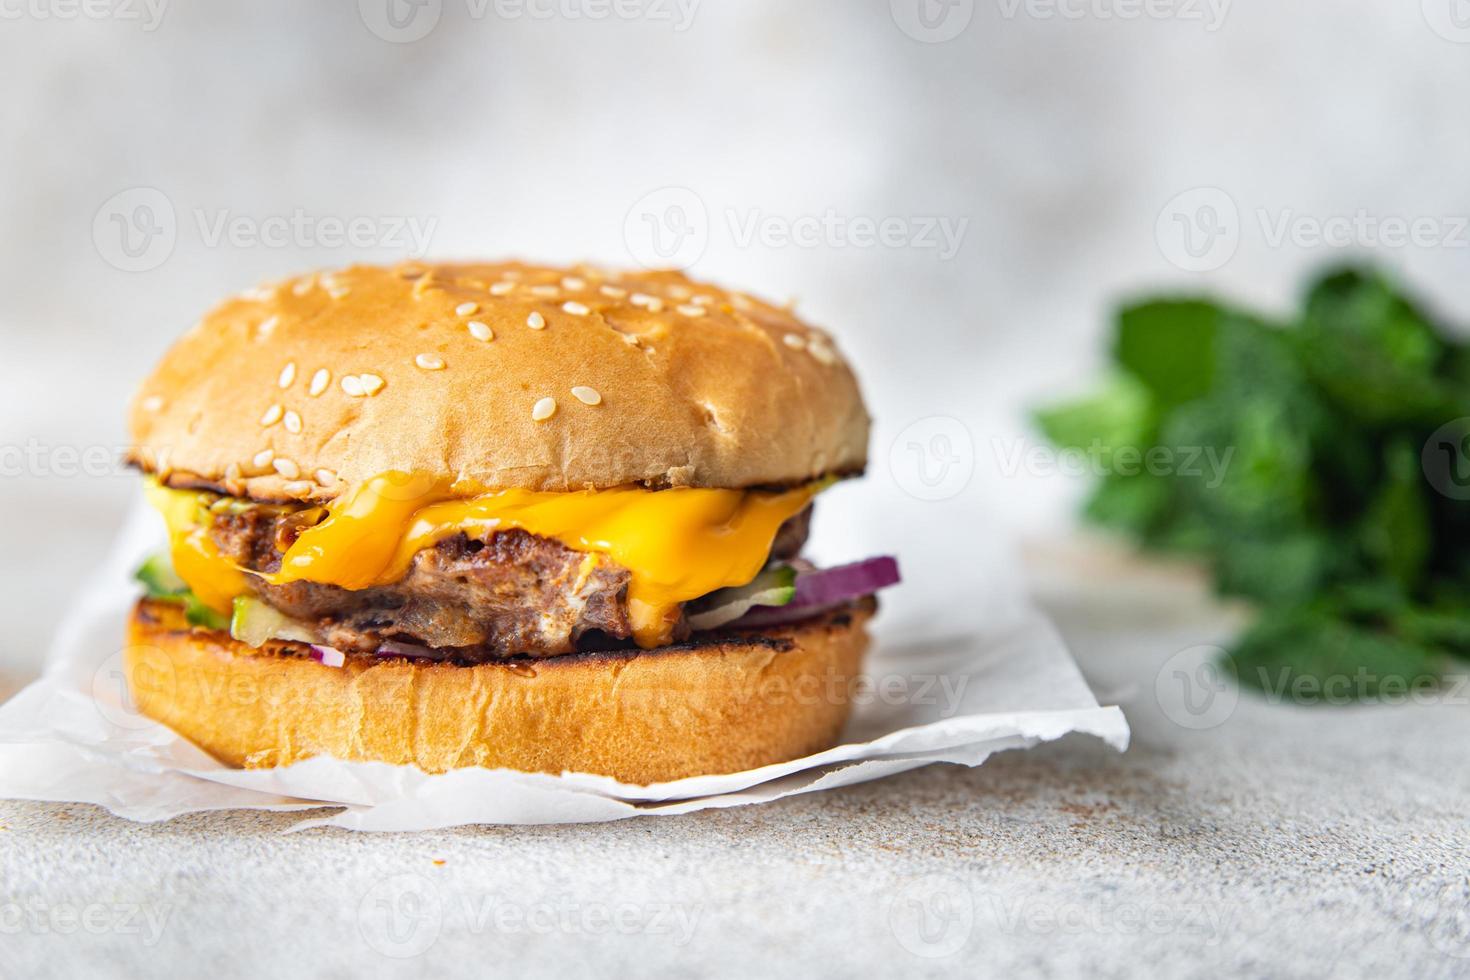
[502, 515]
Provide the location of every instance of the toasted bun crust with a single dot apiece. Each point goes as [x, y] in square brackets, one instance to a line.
[304, 388]
[647, 716]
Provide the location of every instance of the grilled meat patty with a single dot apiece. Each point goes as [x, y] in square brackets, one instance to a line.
[512, 594]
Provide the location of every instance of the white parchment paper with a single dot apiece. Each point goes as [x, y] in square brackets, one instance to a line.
[937, 694]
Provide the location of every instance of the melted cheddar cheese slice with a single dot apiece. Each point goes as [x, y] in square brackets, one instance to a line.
[677, 544]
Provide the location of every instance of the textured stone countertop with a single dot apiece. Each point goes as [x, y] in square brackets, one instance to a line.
[1280, 841]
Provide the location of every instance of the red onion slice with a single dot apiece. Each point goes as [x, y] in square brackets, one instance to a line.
[819, 591]
[329, 656]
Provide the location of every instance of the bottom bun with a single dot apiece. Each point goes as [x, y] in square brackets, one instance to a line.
[722, 703]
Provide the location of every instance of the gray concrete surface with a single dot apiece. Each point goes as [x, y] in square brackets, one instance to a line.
[1283, 841]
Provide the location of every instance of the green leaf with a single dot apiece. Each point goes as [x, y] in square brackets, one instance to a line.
[1168, 345]
[198, 614]
[1374, 353]
[1297, 459]
[1135, 504]
[1121, 414]
[1313, 657]
[159, 578]
[1287, 569]
[1395, 530]
[1447, 629]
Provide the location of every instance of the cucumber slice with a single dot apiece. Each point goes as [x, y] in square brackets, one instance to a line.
[159, 578]
[254, 622]
[775, 586]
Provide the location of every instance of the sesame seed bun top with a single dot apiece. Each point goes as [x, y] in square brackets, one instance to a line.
[506, 375]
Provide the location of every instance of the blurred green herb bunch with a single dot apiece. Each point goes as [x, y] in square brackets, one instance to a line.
[1330, 481]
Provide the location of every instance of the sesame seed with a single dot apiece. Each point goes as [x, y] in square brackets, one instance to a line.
[429, 362]
[479, 330]
[741, 302]
[822, 352]
[287, 468]
[319, 382]
[467, 309]
[371, 383]
[586, 395]
[297, 488]
[501, 288]
[543, 410]
[152, 403]
[575, 309]
[288, 375]
[705, 300]
[232, 472]
[614, 291]
[689, 309]
[573, 283]
[325, 477]
[303, 286]
[352, 384]
[680, 292]
[267, 325]
[293, 422]
[272, 415]
[544, 290]
[652, 303]
[263, 458]
[536, 321]
[794, 340]
[337, 292]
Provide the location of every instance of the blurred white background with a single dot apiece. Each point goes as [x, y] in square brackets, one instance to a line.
[1024, 159]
